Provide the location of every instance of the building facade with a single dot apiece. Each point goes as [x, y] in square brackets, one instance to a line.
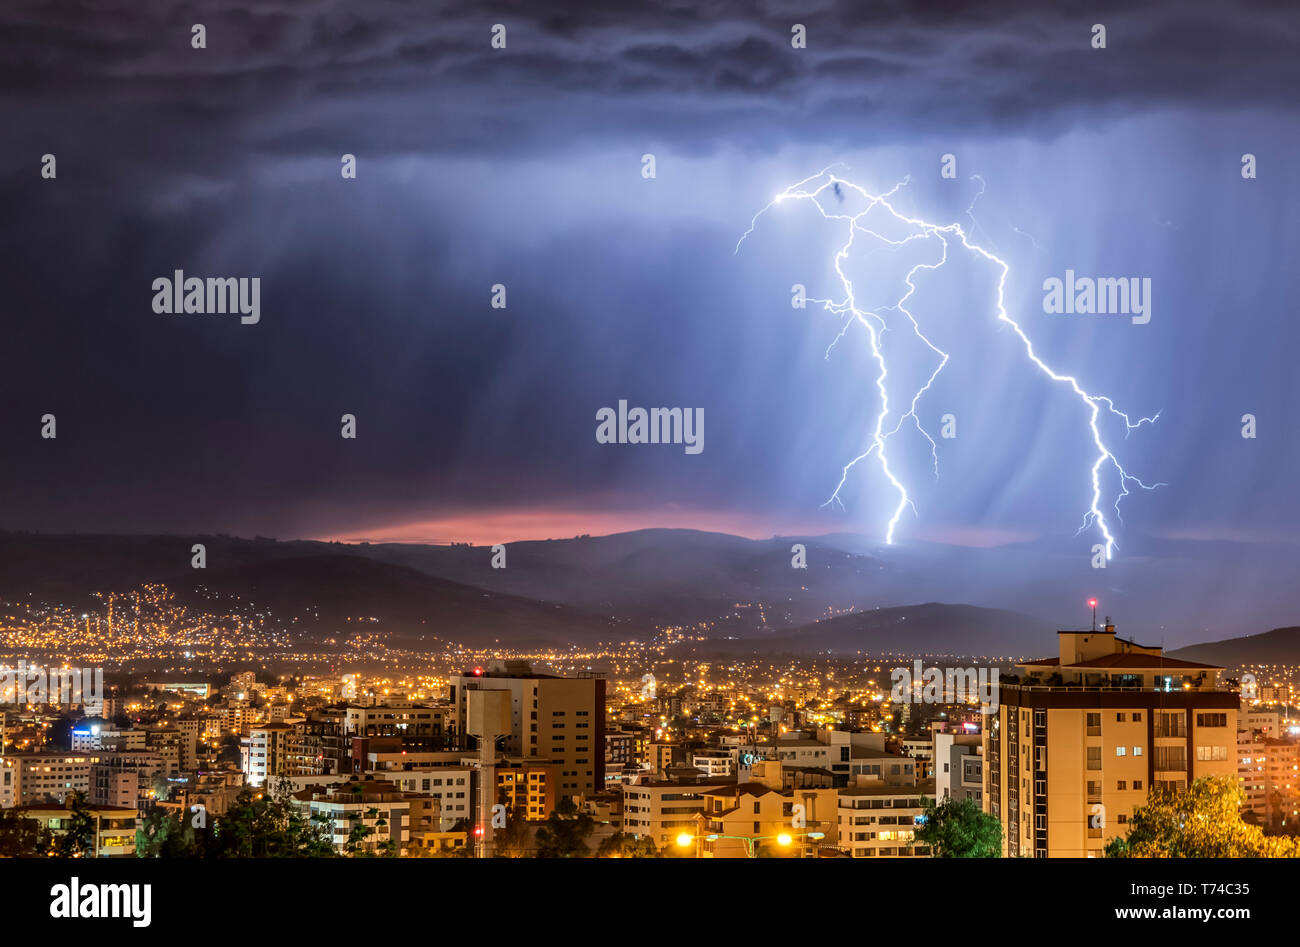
[1076, 745]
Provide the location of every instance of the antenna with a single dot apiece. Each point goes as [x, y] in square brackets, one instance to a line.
[1092, 602]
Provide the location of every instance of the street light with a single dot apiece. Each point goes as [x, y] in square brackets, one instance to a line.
[785, 839]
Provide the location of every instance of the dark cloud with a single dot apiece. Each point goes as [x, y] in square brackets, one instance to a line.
[414, 73]
[226, 161]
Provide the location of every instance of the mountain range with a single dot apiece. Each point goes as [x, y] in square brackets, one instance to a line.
[853, 594]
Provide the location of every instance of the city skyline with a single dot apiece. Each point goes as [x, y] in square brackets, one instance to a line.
[648, 431]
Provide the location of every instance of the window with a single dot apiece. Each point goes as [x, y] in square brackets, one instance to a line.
[1094, 757]
[1211, 753]
[1121, 751]
[1211, 720]
[1119, 718]
[1137, 751]
[1171, 758]
[1094, 725]
[1122, 785]
[1171, 725]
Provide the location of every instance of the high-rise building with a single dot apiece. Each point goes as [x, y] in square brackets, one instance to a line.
[318, 745]
[553, 718]
[267, 752]
[1270, 775]
[1079, 740]
[126, 779]
[526, 786]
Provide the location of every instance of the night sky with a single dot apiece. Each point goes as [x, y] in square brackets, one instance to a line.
[522, 167]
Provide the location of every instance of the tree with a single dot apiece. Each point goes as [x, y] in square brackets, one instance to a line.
[78, 841]
[21, 837]
[564, 834]
[258, 827]
[958, 828]
[623, 845]
[512, 840]
[1201, 821]
[359, 832]
[164, 834]
[312, 837]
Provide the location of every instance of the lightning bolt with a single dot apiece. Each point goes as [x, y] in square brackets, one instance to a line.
[876, 322]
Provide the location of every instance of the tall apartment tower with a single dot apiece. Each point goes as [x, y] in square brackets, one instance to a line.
[551, 718]
[1078, 743]
[266, 752]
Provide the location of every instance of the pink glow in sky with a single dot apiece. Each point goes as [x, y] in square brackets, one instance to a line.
[484, 528]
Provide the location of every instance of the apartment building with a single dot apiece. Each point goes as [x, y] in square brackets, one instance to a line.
[847, 755]
[27, 778]
[958, 760]
[377, 806]
[714, 762]
[266, 752]
[425, 722]
[750, 818]
[126, 779]
[453, 786]
[660, 810]
[1269, 770]
[89, 737]
[1078, 742]
[878, 819]
[1267, 722]
[527, 786]
[554, 718]
[318, 746]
